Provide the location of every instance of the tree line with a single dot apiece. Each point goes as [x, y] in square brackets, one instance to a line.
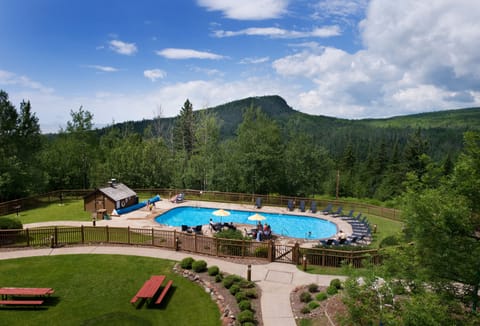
[263, 155]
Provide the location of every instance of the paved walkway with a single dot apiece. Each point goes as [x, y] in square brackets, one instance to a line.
[276, 280]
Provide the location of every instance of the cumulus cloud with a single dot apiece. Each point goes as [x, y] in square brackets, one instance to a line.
[154, 74]
[247, 9]
[416, 58]
[122, 47]
[180, 54]
[275, 32]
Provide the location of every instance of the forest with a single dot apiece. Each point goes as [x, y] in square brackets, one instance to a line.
[254, 145]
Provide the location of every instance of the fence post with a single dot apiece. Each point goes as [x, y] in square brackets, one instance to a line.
[28, 237]
[107, 233]
[174, 239]
[195, 242]
[243, 247]
[56, 237]
[271, 251]
[128, 234]
[82, 231]
[153, 236]
[296, 253]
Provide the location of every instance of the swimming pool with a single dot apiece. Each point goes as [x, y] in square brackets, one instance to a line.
[294, 226]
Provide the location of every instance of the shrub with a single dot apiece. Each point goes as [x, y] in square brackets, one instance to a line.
[245, 316]
[305, 297]
[187, 262]
[244, 305]
[234, 289]
[251, 293]
[7, 223]
[331, 290]
[261, 252]
[230, 279]
[244, 284]
[336, 283]
[240, 295]
[199, 266]
[213, 270]
[313, 305]
[321, 296]
[218, 278]
[313, 288]
[305, 310]
[229, 234]
[389, 241]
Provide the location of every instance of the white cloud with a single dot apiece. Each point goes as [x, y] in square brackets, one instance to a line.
[416, 58]
[154, 74]
[122, 47]
[247, 9]
[9, 78]
[329, 9]
[254, 60]
[275, 32]
[103, 68]
[172, 53]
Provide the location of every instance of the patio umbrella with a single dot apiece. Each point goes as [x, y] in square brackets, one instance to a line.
[257, 217]
[221, 212]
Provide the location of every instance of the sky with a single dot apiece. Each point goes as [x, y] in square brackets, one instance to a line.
[131, 60]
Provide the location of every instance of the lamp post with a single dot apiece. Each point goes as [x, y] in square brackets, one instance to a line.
[249, 272]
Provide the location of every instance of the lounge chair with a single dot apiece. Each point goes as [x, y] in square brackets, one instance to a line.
[197, 229]
[186, 228]
[180, 198]
[327, 242]
[258, 202]
[348, 216]
[290, 205]
[327, 209]
[338, 212]
[302, 206]
[313, 206]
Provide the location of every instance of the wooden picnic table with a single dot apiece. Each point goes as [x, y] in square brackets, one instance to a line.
[4, 291]
[150, 287]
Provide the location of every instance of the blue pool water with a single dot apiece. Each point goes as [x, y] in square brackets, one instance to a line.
[294, 226]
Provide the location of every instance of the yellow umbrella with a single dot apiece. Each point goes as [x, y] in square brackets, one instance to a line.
[257, 217]
[221, 212]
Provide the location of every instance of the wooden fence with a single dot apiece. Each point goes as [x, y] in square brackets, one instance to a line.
[268, 250]
[14, 206]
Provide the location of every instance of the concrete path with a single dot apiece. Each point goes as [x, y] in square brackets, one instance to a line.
[276, 280]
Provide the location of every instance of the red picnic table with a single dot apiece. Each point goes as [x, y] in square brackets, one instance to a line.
[149, 288]
[26, 291]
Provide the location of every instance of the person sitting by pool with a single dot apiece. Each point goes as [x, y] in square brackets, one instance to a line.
[341, 237]
[259, 234]
[267, 231]
[215, 226]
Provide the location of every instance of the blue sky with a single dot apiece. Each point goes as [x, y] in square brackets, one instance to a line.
[134, 60]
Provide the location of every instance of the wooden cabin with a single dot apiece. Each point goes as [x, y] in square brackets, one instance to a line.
[113, 197]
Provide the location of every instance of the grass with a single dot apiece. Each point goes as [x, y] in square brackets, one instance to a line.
[96, 290]
[70, 210]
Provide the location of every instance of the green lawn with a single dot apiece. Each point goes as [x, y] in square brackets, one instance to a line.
[96, 290]
[70, 210]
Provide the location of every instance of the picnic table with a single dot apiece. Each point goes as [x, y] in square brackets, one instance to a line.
[150, 289]
[23, 292]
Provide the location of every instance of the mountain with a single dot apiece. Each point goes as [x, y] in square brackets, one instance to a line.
[443, 130]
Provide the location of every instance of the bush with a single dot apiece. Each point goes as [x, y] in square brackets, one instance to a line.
[187, 262]
[244, 305]
[244, 284]
[218, 278]
[305, 310]
[230, 280]
[229, 234]
[240, 296]
[321, 296]
[305, 297]
[261, 252]
[199, 266]
[234, 289]
[213, 270]
[245, 316]
[251, 293]
[389, 241]
[313, 305]
[336, 283]
[7, 223]
[313, 288]
[331, 290]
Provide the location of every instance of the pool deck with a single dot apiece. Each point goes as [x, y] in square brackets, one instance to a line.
[144, 218]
